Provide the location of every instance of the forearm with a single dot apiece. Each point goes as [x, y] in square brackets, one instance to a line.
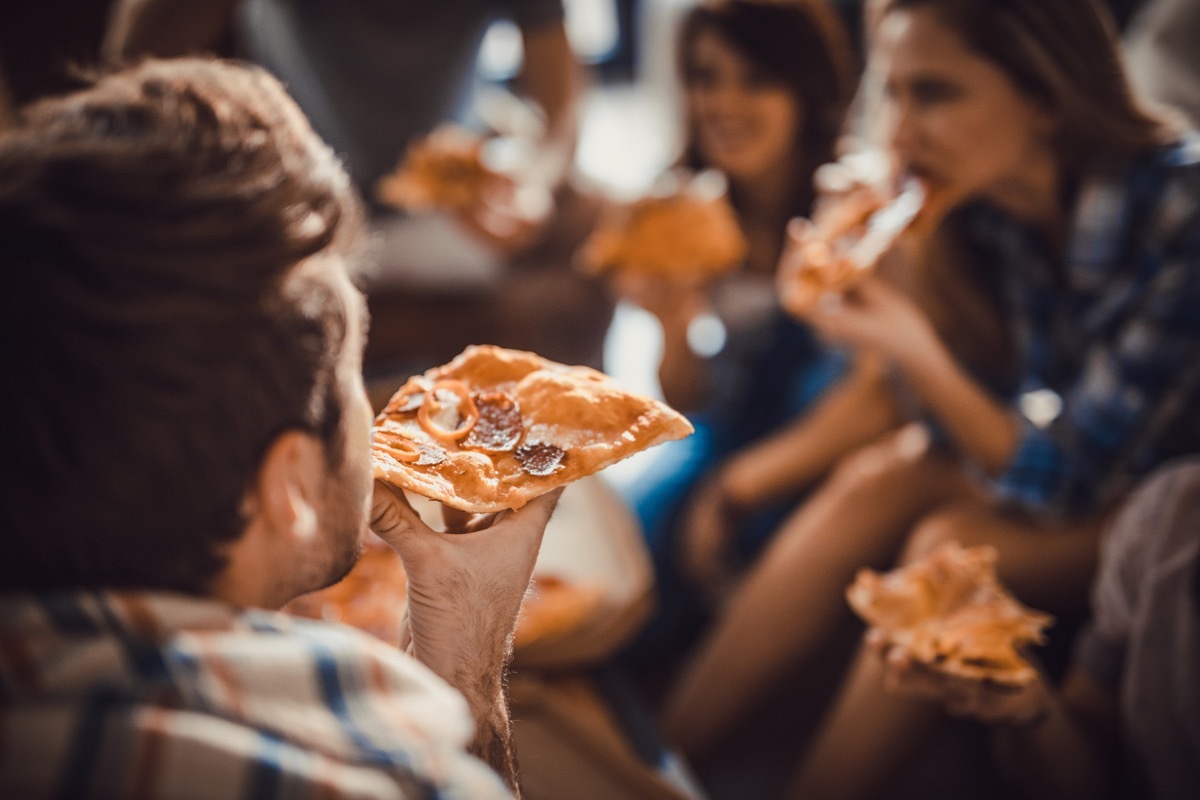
[1053, 759]
[985, 430]
[553, 79]
[493, 737]
[165, 28]
[854, 413]
[684, 376]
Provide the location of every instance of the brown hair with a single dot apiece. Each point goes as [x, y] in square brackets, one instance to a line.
[1064, 54]
[799, 44]
[167, 312]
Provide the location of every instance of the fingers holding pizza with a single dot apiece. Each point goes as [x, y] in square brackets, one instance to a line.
[843, 244]
[982, 699]
[448, 170]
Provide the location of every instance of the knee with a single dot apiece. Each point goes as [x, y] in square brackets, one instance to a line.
[932, 532]
[882, 462]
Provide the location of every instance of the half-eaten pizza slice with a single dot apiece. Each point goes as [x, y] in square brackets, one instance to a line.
[951, 613]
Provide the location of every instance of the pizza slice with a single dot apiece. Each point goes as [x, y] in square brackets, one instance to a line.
[554, 606]
[851, 237]
[443, 170]
[495, 428]
[951, 613]
[686, 227]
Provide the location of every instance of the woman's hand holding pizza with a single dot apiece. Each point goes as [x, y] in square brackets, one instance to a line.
[867, 313]
[984, 700]
[674, 300]
[874, 316]
[508, 214]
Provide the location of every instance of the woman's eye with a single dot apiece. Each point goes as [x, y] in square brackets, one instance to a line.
[929, 92]
[757, 78]
[699, 77]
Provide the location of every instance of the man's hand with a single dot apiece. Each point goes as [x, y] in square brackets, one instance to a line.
[464, 593]
[464, 589]
[983, 700]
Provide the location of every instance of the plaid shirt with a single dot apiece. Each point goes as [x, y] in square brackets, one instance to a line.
[138, 695]
[1114, 331]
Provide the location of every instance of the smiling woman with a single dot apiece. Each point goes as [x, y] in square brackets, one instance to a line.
[765, 85]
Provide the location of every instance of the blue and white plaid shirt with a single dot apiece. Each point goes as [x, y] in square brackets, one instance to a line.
[1114, 331]
[151, 695]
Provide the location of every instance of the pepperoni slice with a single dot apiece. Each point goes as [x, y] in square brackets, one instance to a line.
[499, 427]
[541, 458]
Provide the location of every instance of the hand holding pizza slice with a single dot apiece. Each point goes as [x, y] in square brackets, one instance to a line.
[442, 170]
[684, 229]
[495, 428]
[845, 242]
[949, 613]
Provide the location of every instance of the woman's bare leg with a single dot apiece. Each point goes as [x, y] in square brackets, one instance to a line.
[869, 736]
[794, 594]
[868, 740]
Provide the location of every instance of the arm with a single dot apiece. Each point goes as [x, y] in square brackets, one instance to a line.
[513, 212]
[1070, 751]
[675, 303]
[551, 77]
[855, 412]
[164, 28]
[464, 593]
[1051, 744]
[879, 318]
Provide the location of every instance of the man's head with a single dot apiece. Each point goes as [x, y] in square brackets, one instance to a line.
[175, 306]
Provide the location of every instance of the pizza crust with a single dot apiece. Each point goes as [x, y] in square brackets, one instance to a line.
[950, 612]
[574, 421]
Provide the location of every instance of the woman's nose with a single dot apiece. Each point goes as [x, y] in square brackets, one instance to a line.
[899, 127]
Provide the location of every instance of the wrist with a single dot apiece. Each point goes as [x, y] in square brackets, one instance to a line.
[1029, 723]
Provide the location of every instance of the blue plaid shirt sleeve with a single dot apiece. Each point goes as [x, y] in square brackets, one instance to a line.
[1135, 382]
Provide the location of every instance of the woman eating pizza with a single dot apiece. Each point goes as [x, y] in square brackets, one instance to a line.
[766, 85]
[1084, 211]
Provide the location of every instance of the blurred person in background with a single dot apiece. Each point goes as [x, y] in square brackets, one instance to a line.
[374, 76]
[1084, 212]
[186, 446]
[766, 84]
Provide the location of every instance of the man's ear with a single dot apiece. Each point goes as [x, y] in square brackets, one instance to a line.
[284, 496]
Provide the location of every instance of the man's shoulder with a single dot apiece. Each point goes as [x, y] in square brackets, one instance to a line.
[188, 682]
